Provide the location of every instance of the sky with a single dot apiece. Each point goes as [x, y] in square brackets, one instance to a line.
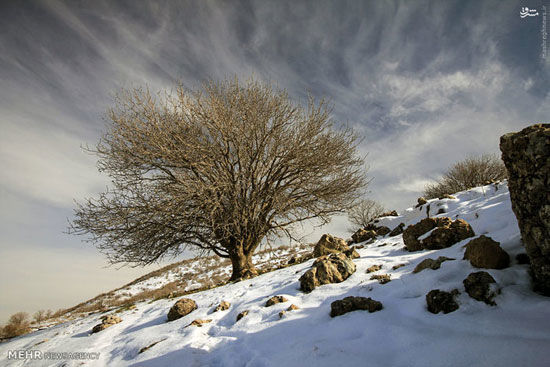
[425, 83]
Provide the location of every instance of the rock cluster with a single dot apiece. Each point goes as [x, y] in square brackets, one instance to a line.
[333, 268]
[526, 156]
[484, 252]
[349, 304]
[181, 308]
[445, 232]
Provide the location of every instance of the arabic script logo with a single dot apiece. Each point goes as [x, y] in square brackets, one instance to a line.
[526, 12]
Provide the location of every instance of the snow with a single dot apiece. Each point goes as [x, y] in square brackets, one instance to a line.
[515, 332]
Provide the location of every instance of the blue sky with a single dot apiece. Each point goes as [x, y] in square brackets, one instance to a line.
[425, 82]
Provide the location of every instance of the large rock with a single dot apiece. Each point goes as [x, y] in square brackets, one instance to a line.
[349, 304]
[181, 308]
[442, 301]
[484, 252]
[106, 321]
[526, 156]
[329, 245]
[444, 233]
[363, 235]
[333, 268]
[479, 287]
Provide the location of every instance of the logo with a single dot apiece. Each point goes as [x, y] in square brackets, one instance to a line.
[526, 12]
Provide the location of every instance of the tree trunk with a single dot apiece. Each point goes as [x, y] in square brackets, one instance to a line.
[243, 268]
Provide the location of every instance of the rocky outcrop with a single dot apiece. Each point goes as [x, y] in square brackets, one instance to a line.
[526, 156]
[181, 308]
[444, 233]
[274, 300]
[430, 264]
[349, 304]
[479, 287]
[329, 245]
[442, 301]
[334, 268]
[106, 321]
[484, 252]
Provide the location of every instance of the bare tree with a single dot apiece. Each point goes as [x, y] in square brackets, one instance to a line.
[364, 212]
[40, 316]
[471, 172]
[18, 324]
[216, 169]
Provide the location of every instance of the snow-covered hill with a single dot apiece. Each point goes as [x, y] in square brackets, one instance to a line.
[515, 332]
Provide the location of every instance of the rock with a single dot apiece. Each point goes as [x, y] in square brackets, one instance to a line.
[333, 268]
[358, 247]
[397, 230]
[293, 260]
[525, 155]
[395, 267]
[106, 321]
[391, 213]
[242, 314]
[223, 306]
[442, 301]
[292, 307]
[363, 235]
[478, 286]
[349, 304]
[382, 231]
[382, 278]
[281, 314]
[523, 259]
[352, 254]
[199, 322]
[329, 245]
[441, 211]
[421, 201]
[484, 252]
[274, 300]
[430, 264]
[444, 233]
[374, 268]
[181, 308]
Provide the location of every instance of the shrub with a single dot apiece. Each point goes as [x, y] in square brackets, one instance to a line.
[18, 324]
[471, 172]
[363, 213]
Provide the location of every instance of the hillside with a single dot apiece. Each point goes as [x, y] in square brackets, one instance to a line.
[514, 332]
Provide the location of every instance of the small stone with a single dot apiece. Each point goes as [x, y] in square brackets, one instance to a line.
[181, 308]
[382, 278]
[374, 268]
[292, 307]
[274, 300]
[199, 322]
[395, 267]
[223, 306]
[431, 264]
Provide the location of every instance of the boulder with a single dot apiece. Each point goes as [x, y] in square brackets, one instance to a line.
[478, 286]
[181, 308]
[363, 235]
[333, 268]
[329, 245]
[106, 321]
[430, 264]
[223, 306]
[442, 301]
[397, 230]
[484, 252]
[444, 233]
[242, 314]
[274, 300]
[525, 155]
[349, 304]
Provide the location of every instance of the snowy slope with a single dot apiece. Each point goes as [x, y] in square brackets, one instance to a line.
[515, 332]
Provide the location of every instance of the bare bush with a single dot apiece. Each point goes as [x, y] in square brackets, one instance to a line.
[218, 170]
[18, 324]
[466, 174]
[40, 315]
[364, 212]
